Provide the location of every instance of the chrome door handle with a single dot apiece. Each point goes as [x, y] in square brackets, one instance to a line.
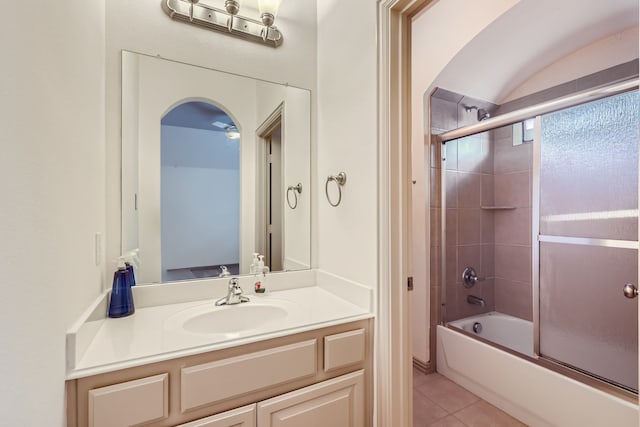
[630, 290]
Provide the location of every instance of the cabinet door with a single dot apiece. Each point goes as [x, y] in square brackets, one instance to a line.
[338, 402]
[145, 400]
[240, 417]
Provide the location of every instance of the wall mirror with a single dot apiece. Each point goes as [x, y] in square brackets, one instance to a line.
[215, 167]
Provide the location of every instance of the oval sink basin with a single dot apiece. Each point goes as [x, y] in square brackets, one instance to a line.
[230, 319]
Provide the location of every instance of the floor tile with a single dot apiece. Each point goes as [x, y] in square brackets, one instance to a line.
[448, 421]
[482, 414]
[419, 378]
[425, 411]
[447, 394]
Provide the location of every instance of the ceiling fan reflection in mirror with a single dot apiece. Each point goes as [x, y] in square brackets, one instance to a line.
[231, 131]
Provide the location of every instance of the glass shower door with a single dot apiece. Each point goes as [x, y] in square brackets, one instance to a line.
[586, 162]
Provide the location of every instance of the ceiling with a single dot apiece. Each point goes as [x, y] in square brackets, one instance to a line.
[197, 115]
[527, 38]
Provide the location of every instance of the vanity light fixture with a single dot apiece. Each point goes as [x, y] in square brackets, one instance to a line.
[268, 11]
[228, 20]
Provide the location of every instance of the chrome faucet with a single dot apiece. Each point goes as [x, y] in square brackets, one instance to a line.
[224, 271]
[472, 299]
[234, 294]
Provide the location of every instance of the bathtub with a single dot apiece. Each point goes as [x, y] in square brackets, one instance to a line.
[502, 329]
[535, 395]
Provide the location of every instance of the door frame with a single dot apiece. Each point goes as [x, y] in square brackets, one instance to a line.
[393, 387]
[393, 329]
[275, 119]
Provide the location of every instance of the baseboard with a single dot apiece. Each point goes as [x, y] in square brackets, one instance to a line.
[425, 368]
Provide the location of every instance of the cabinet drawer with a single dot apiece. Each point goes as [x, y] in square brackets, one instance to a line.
[211, 382]
[130, 403]
[344, 349]
[241, 417]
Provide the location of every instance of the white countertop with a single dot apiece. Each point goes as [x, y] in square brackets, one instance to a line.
[154, 334]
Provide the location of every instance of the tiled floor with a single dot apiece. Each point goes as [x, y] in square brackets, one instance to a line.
[439, 402]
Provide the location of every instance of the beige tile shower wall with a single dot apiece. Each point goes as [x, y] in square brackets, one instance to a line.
[471, 185]
[443, 118]
[469, 230]
[512, 252]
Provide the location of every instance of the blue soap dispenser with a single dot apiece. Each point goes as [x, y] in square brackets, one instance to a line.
[121, 303]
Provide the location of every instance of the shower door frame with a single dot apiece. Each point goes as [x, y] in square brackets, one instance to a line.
[536, 112]
[537, 239]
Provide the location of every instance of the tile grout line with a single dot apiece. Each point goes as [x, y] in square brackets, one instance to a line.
[455, 414]
[449, 413]
[461, 421]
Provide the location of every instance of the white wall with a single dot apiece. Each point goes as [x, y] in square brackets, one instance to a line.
[52, 189]
[296, 145]
[531, 35]
[210, 234]
[347, 138]
[612, 50]
[430, 54]
[297, 169]
[142, 26]
[200, 201]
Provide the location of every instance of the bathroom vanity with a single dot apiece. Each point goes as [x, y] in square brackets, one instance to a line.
[301, 355]
[194, 364]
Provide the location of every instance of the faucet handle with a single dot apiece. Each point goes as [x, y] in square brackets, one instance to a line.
[470, 277]
[234, 294]
[224, 271]
[234, 287]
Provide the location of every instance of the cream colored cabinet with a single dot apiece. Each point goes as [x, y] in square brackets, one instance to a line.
[241, 417]
[345, 349]
[107, 404]
[237, 376]
[338, 402]
[314, 378]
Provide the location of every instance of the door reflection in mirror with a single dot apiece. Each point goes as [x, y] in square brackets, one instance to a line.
[199, 192]
[272, 140]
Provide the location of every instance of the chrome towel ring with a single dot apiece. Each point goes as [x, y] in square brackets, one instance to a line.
[339, 179]
[295, 189]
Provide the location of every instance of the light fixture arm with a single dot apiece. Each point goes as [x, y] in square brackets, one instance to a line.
[232, 7]
[193, 12]
[191, 3]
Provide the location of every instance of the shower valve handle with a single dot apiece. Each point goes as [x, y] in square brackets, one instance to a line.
[470, 278]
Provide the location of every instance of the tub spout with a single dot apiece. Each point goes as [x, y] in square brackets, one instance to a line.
[472, 299]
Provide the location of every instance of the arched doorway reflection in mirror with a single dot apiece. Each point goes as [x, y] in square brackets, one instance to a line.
[199, 192]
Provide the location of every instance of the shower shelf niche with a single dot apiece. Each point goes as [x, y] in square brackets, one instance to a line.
[497, 208]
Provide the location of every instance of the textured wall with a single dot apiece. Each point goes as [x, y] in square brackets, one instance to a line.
[52, 186]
